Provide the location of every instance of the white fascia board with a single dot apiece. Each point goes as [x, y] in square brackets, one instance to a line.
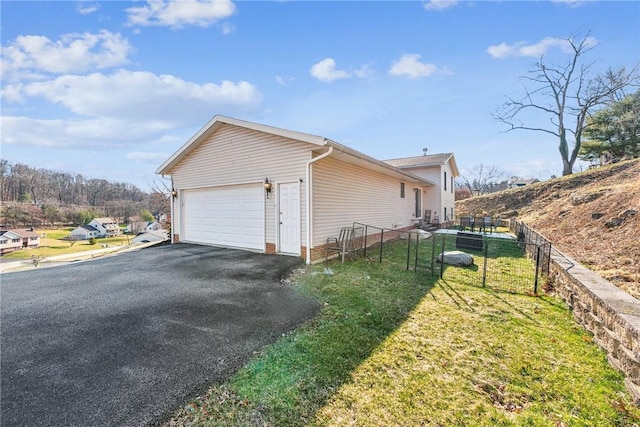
[379, 165]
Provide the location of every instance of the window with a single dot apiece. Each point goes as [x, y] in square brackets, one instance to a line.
[402, 190]
[452, 187]
[445, 180]
[446, 218]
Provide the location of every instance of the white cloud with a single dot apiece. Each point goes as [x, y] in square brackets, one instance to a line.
[177, 14]
[325, 71]
[227, 28]
[142, 95]
[12, 93]
[28, 56]
[440, 4]
[87, 9]
[123, 108]
[521, 49]
[410, 65]
[572, 3]
[75, 133]
[364, 72]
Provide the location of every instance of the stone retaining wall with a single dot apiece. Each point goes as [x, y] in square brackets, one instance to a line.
[609, 313]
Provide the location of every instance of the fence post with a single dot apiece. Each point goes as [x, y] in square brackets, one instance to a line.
[433, 253]
[381, 243]
[366, 231]
[415, 263]
[535, 283]
[408, 250]
[444, 236]
[484, 268]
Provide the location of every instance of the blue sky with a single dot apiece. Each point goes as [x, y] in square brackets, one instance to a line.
[112, 89]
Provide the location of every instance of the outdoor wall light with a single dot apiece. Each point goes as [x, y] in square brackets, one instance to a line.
[174, 193]
[267, 186]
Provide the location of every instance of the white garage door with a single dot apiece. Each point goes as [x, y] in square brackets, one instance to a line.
[225, 216]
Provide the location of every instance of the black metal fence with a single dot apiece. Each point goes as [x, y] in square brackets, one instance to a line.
[371, 240]
[539, 247]
[499, 261]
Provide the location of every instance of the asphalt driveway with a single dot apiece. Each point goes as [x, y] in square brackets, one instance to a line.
[127, 339]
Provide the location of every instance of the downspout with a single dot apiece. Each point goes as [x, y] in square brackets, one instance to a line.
[309, 200]
[173, 224]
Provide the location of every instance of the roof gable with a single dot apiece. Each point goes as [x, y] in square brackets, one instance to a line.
[425, 161]
[25, 233]
[216, 123]
[104, 220]
[10, 234]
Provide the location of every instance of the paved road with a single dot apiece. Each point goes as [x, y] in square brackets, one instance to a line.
[127, 339]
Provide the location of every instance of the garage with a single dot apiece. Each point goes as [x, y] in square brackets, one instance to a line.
[230, 216]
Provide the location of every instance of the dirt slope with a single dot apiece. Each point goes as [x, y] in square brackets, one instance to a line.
[593, 217]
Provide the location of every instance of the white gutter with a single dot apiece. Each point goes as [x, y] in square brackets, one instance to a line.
[310, 202]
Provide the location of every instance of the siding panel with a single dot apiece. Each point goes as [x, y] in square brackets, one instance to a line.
[344, 193]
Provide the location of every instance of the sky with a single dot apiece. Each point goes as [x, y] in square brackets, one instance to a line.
[111, 89]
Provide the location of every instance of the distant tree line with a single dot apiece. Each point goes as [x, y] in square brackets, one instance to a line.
[22, 183]
[36, 197]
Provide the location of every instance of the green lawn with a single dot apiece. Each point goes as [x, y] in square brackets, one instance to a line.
[54, 244]
[393, 347]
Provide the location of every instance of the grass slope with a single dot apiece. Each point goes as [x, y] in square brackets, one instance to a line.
[397, 348]
[589, 216]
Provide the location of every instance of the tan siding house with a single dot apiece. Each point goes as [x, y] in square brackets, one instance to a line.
[246, 185]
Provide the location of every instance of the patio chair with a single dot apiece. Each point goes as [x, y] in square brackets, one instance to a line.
[346, 242]
[484, 224]
[466, 223]
[495, 224]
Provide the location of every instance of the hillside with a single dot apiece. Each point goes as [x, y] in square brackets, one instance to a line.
[590, 216]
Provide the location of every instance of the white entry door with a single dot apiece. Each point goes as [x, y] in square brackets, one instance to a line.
[289, 222]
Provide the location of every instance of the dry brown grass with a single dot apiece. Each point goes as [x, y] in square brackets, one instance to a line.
[577, 214]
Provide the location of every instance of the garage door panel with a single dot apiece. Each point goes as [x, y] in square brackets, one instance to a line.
[225, 216]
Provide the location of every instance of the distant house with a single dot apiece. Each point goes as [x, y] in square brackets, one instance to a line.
[13, 240]
[518, 182]
[85, 232]
[9, 241]
[106, 227]
[142, 226]
[151, 236]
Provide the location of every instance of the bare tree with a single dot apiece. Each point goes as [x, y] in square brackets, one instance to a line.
[72, 240]
[160, 197]
[481, 179]
[568, 94]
